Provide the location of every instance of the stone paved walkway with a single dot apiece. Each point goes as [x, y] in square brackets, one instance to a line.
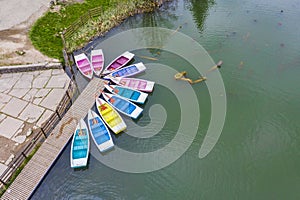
[27, 100]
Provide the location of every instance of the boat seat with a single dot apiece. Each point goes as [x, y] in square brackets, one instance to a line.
[125, 107]
[108, 109]
[81, 137]
[109, 118]
[80, 147]
[135, 96]
[103, 138]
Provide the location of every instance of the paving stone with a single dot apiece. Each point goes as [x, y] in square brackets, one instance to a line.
[25, 81]
[58, 81]
[14, 107]
[46, 73]
[36, 73]
[4, 99]
[39, 96]
[19, 93]
[9, 126]
[30, 95]
[52, 100]
[7, 82]
[44, 118]
[31, 113]
[57, 71]
[40, 81]
[11, 157]
[2, 117]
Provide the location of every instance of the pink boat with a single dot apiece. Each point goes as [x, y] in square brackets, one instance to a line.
[134, 83]
[119, 62]
[84, 65]
[97, 61]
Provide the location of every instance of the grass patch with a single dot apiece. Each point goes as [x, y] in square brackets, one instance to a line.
[45, 33]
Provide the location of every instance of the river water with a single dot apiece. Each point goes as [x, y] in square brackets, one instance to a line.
[256, 155]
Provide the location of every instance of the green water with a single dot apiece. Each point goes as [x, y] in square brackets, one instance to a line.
[257, 155]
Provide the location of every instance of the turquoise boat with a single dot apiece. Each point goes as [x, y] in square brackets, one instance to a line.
[80, 146]
[128, 93]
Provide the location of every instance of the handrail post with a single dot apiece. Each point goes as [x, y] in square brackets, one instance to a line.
[43, 132]
[3, 182]
[58, 114]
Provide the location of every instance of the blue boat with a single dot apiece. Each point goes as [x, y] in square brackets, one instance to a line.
[99, 132]
[130, 70]
[128, 93]
[122, 105]
[80, 146]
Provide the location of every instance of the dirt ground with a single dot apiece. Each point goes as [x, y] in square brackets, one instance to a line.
[15, 41]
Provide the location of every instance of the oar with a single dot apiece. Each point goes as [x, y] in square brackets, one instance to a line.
[80, 131]
[179, 27]
[146, 57]
[218, 65]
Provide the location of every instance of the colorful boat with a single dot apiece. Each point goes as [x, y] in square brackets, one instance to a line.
[110, 116]
[84, 65]
[122, 105]
[128, 93]
[97, 61]
[80, 146]
[119, 62]
[130, 70]
[99, 132]
[134, 83]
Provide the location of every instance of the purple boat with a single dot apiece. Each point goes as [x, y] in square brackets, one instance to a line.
[119, 62]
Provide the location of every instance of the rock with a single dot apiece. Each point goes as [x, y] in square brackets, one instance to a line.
[19, 139]
[11, 157]
[19, 131]
[29, 132]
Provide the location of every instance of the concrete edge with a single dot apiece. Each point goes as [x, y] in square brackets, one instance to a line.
[29, 67]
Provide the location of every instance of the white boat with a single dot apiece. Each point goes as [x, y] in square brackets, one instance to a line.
[122, 105]
[80, 146]
[97, 61]
[128, 93]
[128, 71]
[84, 65]
[119, 62]
[99, 132]
[110, 116]
[134, 83]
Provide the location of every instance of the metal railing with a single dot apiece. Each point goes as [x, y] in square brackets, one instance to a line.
[40, 135]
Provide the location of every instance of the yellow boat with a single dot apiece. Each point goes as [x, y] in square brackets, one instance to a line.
[110, 116]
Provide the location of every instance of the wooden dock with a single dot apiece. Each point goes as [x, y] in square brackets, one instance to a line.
[27, 181]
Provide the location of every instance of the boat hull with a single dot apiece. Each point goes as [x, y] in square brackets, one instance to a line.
[128, 71]
[119, 62]
[84, 65]
[135, 83]
[128, 93]
[80, 146]
[97, 61]
[122, 105]
[99, 132]
[110, 116]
